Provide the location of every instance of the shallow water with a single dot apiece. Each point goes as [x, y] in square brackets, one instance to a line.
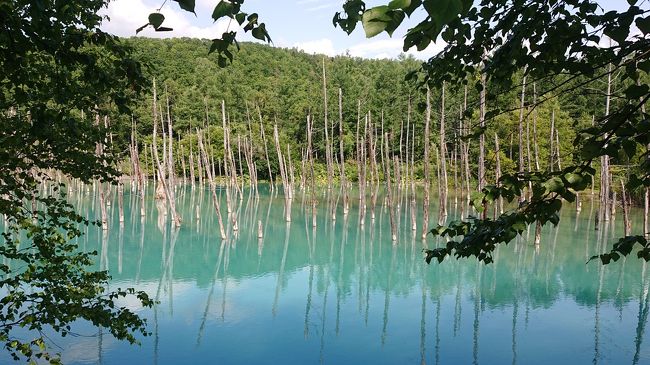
[343, 293]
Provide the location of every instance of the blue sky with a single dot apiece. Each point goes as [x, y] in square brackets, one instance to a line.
[303, 24]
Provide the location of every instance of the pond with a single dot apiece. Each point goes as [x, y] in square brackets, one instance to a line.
[344, 293]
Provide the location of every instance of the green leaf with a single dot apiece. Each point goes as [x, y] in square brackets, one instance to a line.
[399, 4]
[240, 17]
[629, 146]
[554, 185]
[187, 5]
[222, 9]
[443, 11]
[375, 20]
[164, 29]
[156, 19]
[591, 150]
[573, 178]
[396, 19]
[261, 33]
[643, 24]
[605, 258]
[636, 91]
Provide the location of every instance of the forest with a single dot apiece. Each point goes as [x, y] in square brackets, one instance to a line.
[272, 86]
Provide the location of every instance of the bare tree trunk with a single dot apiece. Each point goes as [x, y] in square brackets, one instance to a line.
[521, 132]
[120, 201]
[183, 165]
[461, 146]
[346, 198]
[283, 173]
[414, 224]
[497, 173]
[399, 171]
[626, 211]
[551, 149]
[138, 170]
[389, 195]
[536, 147]
[481, 153]
[99, 151]
[466, 145]
[208, 170]
[408, 132]
[557, 148]
[328, 150]
[646, 195]
[604, 170]
[427, 173]
[362, 148]
[170, 154]
[444, 191]
[311, 166]
[161, 178]
[266, 148]
[374, 172]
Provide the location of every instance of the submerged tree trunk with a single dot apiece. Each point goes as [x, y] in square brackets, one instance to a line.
[626, 211]
[443, 162]
[176, 220]
[266, 148]
[208, 170]
[99, 151]
[427, 173]
[346, 198]
[389, 195]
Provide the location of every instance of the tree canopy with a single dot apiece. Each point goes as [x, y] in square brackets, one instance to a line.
[60, 74]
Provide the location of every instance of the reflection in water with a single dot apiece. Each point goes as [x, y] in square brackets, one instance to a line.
[341, 292]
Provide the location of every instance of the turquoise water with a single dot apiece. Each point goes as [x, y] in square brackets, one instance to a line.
[343, 293]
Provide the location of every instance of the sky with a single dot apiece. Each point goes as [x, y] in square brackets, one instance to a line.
[302, 24]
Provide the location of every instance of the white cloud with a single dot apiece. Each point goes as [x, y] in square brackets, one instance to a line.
[391, 48]
[321, 46]
[378, 49]
[128, 15]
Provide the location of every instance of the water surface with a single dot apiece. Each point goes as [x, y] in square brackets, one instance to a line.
[344, 293]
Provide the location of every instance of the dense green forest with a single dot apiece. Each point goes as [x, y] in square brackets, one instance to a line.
[283, 86]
